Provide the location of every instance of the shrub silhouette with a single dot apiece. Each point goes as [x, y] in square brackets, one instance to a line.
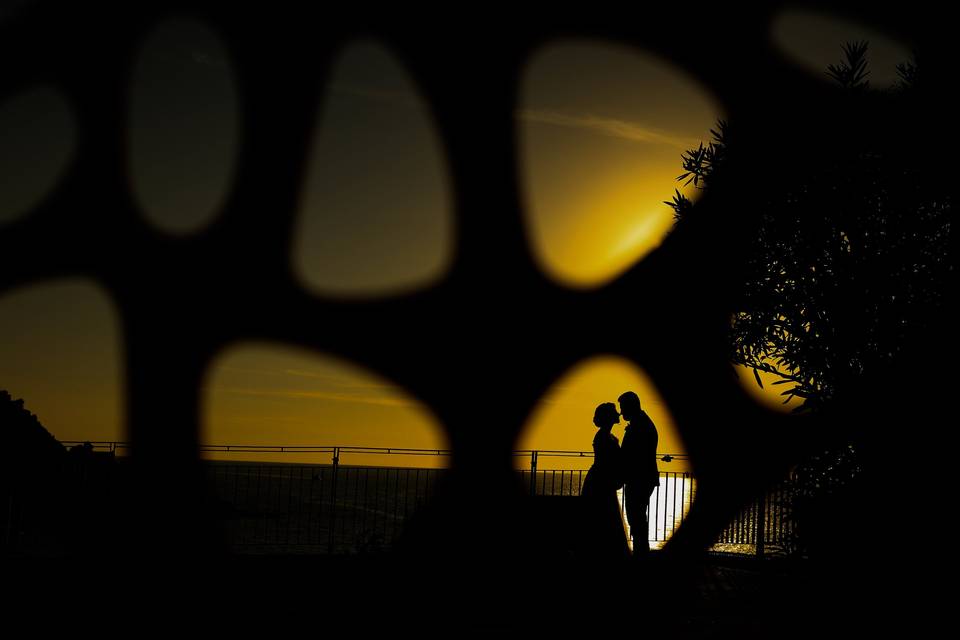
[850, 259]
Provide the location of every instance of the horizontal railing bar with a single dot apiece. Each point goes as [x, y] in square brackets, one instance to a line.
[95, 443]
[308, 449]
[256, 448]
[559, 453]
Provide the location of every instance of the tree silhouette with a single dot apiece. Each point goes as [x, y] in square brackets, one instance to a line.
[846, 268]
[849, 259]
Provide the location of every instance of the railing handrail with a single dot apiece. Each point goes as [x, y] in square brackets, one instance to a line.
[565, 453]
[269, 448]
[113, 445]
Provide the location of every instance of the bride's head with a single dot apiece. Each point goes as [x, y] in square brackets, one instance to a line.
[606, 415]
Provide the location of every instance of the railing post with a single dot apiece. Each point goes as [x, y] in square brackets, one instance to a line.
[761, 523]
[8, 547]
[533, 473]
[333, 499]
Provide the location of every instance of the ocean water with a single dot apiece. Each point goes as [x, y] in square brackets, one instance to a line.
[312, 509]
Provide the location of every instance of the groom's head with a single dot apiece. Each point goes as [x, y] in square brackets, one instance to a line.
[629, 406]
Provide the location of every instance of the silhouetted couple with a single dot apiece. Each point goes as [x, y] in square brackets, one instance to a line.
[632, 466]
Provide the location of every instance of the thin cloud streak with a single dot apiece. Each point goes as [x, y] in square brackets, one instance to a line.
[259, 372]
[342, 382]
[610, 127]
[324, 395]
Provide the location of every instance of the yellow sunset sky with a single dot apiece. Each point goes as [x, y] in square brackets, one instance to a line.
[601, 131]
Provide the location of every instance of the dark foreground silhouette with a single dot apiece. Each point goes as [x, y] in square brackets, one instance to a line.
[475, 557]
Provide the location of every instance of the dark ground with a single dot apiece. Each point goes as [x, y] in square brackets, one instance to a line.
[717, 598]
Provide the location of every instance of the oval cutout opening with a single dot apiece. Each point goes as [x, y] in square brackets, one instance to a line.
[375, 209]
[815, 40]
[311, 454]
[602, 131]
[561, 430]
[39, 137]
[60, 352]
[184, 126]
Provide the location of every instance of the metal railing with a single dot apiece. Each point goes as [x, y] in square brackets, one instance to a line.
[122, 448]
[273, 507]
[669, 502]
[336, 509]
[765, 527]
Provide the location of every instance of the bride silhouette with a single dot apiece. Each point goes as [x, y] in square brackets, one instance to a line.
[604, 535]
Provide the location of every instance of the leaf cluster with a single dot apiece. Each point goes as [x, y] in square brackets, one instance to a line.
[851, 72]
[848, 260]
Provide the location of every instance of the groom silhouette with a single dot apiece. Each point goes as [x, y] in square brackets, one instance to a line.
[638, 453]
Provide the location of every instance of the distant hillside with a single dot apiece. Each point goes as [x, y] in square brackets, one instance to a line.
[23, 439]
